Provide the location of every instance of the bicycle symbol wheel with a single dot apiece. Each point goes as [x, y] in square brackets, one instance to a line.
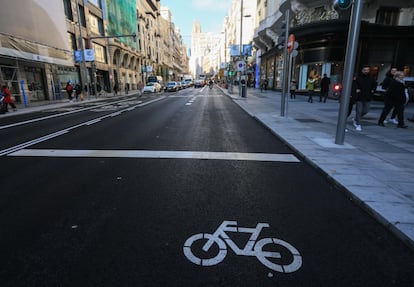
[263, 256]
[200, 261]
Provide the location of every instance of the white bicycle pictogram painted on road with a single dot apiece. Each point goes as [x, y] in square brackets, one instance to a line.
[252, 247]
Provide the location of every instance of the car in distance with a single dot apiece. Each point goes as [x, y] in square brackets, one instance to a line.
[152, 87]
[172, 87]
[198, 83]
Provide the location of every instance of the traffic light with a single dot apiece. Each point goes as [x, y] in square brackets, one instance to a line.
[337, 87]
[343, 4]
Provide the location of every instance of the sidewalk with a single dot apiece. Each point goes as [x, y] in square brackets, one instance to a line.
[52, 104]
[375, 166]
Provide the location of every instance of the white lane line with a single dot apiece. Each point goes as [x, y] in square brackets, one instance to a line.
[32, 142]
[157, 154]
[60, 115]
[61, 132]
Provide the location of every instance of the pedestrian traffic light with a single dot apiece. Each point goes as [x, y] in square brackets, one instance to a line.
[337, 87]
[343, 4]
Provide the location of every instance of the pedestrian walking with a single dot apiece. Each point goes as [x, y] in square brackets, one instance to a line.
[396, 97]
[389, 77]
[140, 87]
[365, 88]
[116, 89]
[352, 97]
[325, 84]
[263, 86]
[69, 90]
[78, 91]
[293, 90]
[310, 87]
[8, 100]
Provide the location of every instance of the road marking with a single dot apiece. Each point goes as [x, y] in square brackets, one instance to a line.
[270, 157]
[32, 142]
[92, 108]
[67, 130]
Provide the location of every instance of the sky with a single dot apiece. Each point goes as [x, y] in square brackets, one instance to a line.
[210, 14]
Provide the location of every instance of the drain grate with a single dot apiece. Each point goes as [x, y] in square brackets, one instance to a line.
[308, 121]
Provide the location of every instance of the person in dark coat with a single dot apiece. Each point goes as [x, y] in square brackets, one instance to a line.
[365, 88]
[395, 98]
[353, 97]
[325, 83]
[78, 91]
[389, 77]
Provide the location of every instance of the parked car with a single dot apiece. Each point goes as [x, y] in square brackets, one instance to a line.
[180, 87]
[152, 87]
[172, 87]
[189, 82]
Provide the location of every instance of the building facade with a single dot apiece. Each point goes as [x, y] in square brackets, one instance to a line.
[124, 42]
[387, 30]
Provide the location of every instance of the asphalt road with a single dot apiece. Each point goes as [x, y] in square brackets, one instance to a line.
[128, 193]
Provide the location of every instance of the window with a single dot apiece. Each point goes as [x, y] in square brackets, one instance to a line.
[100, 55]
[72, 41]
[388, 16]
[96, 24]
[82, 16]
[68, 9]
[97, 3]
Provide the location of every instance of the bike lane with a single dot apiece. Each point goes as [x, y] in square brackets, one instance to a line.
[131, 227]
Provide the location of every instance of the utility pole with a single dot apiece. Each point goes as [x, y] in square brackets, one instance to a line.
[83, 69]
[285, 64]
[350, 59]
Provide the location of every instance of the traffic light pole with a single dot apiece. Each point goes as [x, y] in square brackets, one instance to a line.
[83, 69]
[285, 65]
[350, 59]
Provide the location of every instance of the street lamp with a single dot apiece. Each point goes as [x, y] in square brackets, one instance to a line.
[242, 88]
[83, 69]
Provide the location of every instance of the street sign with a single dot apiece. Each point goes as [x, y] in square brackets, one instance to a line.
[240, 66]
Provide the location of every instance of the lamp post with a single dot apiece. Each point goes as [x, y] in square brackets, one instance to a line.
[242, 87]
[83, 69]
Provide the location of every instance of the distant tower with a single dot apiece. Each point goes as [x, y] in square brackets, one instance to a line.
[196, 50]
[196, 27]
